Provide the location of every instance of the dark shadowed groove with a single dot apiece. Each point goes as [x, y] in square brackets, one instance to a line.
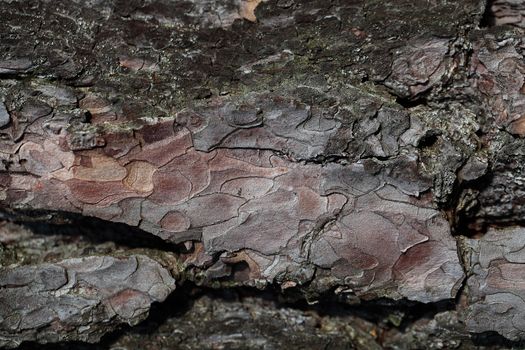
[464, 223]
[92, 229]
[376, 312]
[181, 301]
[487, 20]
[496, 340]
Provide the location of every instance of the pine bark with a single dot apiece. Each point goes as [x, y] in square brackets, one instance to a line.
[352, 152]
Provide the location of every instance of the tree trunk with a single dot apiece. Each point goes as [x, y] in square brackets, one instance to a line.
[363, 155]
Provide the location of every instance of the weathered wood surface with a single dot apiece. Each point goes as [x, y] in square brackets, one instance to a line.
[325, 148]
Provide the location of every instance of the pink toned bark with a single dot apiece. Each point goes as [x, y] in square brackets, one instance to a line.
[79, 298]
[281, 214]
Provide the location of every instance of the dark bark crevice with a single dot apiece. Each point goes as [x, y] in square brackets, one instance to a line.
[487, 20]
[381, 315]
[92, 229]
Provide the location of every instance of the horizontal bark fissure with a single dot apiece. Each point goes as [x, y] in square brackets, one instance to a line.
[94, 230]
[379, 317]
[374, 311]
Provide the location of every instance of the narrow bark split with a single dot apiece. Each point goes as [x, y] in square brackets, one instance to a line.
[356, 152]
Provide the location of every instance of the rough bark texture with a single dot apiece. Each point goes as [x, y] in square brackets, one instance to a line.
[353, 152]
